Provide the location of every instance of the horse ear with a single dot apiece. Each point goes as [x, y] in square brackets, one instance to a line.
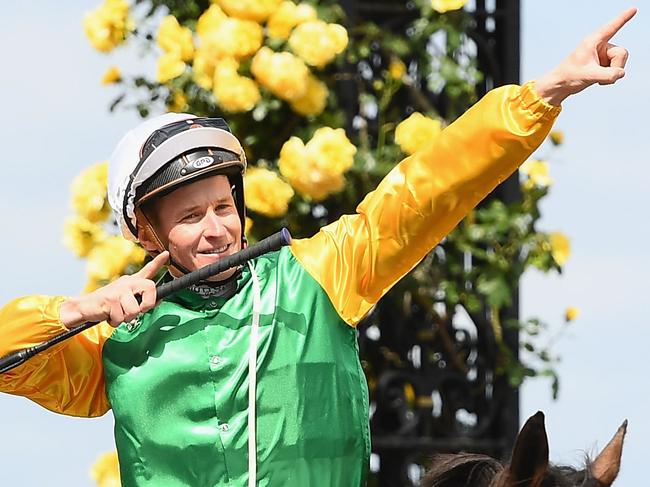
[608, 463]
[530, 455]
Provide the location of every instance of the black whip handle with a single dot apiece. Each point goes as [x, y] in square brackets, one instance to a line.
[269, 244]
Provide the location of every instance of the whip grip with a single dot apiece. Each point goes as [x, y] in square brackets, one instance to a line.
[12, 360]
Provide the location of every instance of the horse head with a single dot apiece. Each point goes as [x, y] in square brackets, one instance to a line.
[529, 465]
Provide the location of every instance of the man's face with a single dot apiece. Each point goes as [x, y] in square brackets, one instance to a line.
[198, 223]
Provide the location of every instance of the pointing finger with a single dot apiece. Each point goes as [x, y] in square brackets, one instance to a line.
[605, 33]
[152, 268]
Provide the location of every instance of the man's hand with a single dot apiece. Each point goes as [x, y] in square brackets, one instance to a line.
[116, 302]
[595, 60]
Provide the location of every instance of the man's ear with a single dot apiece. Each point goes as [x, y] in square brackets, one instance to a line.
[146, 234]
[147, 242]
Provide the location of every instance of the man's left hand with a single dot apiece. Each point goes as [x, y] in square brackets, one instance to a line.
[595, 60]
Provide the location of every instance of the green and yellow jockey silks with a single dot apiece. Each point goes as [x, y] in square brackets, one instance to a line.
[178, 382]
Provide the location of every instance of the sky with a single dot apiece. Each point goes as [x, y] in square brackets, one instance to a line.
[55, 123]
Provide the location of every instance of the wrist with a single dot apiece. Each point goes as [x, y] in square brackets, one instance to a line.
[551, 88]
[69, 313]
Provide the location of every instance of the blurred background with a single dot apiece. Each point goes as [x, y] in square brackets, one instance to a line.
[56, 123]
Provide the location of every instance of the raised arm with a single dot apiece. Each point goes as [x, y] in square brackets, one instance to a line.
[359, 257]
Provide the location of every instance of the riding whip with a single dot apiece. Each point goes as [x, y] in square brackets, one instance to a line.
[269, 244]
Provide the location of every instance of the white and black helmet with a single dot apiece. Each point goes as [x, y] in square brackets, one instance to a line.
[168, 151]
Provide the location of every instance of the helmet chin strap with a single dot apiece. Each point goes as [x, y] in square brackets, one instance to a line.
[148, 227]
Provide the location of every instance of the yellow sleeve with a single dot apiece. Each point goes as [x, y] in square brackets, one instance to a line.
[358, 258]
[67, 378]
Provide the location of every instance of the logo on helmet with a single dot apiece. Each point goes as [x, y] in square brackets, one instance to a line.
[202, 162]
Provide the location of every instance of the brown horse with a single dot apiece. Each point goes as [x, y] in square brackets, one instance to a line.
[529, 466]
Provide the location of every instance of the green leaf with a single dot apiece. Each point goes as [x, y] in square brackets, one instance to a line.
[495, 289]
[450, 291]
[473, 303]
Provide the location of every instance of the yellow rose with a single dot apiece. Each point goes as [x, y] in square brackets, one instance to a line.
[248, 225]
[282, 73]
[317, 42]
[107, 26]
[571, 314]
[316, 169]
[88, 198]
[209, 20]
[81, 235]
[313, 100]
[170, 66]
[331, 150]
[112, 75]
[293, 157]
[557, 137]
[442, 6]
[396, 69]
[226, 67]
[232, 38]
[560, 247]
[416, 132]
[203, 67]
[257, 10]
[266, 193]
[106, 470]
[233, 92]
[110, 258]
[177, 102]
[304, 175]
[537, 173]
[175, 39]
[287, 16]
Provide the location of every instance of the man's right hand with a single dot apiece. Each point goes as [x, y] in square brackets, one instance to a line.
[116, 302]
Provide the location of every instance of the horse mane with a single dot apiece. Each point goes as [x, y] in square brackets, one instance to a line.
[475, 470]
[529, 465]
[462, 469]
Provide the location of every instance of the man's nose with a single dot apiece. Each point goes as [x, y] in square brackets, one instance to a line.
[212, 225]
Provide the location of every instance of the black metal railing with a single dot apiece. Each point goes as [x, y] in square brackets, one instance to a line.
[432, 371]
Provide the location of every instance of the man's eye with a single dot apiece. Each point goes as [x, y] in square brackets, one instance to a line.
[190, 216]
[222, 208]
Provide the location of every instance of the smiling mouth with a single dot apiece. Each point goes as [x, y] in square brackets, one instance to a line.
[217, 251]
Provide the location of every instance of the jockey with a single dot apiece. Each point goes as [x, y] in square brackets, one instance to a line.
[254, 378]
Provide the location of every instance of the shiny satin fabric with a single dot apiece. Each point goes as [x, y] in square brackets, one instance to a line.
[178, 382]
[178, 385]
[67, 378]
[359, 257]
